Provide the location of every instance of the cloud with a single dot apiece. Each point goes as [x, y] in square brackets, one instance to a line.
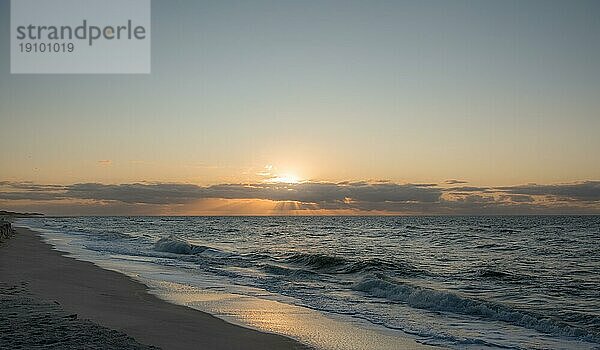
[518, 198]
[35, 196]
[135, 193]
[358, 196]
[105, 162]
[466, 189]
[267, 171]
[30, 186]
[329, 195]
[454, 182]
[580, 191]
[309, 192]
[29, 191]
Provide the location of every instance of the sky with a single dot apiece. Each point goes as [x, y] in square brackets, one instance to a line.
[319, 107]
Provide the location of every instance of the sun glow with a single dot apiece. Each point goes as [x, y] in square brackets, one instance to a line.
[287, 178]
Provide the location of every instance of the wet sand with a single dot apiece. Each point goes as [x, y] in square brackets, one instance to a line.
[38, 276]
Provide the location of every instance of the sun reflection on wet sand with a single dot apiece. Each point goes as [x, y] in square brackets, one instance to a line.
[308, 326]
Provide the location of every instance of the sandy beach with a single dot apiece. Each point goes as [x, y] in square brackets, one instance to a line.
[326, 175]
[87, 303]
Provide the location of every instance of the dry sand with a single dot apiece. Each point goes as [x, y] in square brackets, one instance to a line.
[38, 276]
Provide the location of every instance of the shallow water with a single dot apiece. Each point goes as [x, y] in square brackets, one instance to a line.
[458, 282]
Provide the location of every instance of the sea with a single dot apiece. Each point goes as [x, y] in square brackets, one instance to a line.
[498, 282]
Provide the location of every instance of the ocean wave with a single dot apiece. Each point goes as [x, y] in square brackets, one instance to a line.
[288, 272]
[507, 230]
[109, 236]
[436, 300]
[316, 261]
[488, 273]
[339, 265]
[172, 244]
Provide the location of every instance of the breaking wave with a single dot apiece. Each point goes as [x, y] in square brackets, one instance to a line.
[339, 265]
[172, 244]
[436, 300]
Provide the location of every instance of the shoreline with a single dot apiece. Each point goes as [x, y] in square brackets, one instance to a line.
[113, 300]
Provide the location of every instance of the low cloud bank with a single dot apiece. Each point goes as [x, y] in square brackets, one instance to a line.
[363, 196]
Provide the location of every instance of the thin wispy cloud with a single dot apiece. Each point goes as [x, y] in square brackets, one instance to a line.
[466, 189]
[454, 182]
